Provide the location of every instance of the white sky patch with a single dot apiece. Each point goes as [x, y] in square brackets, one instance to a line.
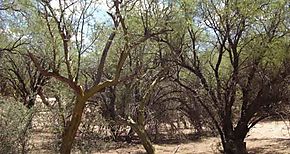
[96, 15]
[100, 7]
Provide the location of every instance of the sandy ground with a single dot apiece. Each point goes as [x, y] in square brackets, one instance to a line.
[264, 138]
[270, 138]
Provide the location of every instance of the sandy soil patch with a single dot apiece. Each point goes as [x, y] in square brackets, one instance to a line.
[264, 138]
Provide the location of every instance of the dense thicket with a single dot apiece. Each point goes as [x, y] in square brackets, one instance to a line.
[109, 70]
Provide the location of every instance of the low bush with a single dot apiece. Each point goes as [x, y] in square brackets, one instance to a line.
[15, 124]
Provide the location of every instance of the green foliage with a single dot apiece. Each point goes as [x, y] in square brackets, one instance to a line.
[230, 55]
[15, 123]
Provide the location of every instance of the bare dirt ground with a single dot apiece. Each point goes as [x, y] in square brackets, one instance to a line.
[265, 138]
[271, 137]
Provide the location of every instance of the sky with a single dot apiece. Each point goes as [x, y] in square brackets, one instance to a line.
[100, 13]
[99, 16]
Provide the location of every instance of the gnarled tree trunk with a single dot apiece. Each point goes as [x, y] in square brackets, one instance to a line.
[71, 130]
[145, 140]
[234, 146]
[234, 140]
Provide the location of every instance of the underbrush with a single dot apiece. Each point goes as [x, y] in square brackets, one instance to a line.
[15, 124]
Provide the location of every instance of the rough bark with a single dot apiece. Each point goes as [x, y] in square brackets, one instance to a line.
[71, 129]
[235, 147]
[145, 140]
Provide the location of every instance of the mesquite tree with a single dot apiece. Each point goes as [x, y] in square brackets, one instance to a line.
[225, 45]
[66, 27]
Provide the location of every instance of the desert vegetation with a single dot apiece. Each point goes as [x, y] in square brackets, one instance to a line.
[144, 76]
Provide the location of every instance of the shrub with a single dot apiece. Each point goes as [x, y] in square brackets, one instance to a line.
[15, 124]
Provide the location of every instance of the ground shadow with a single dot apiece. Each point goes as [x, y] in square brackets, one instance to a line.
[281, 144]
[181, 138]
[163, 139]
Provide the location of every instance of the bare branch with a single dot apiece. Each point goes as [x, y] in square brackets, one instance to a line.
[77, 89]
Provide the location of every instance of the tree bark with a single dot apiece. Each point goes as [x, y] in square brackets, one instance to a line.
[71, 129]
[145, 140]
[234, 146]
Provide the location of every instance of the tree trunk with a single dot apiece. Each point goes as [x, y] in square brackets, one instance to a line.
[71, 130]
[235, 147]
[145, 140]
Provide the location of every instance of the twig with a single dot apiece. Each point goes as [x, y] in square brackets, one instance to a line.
[176, 149]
